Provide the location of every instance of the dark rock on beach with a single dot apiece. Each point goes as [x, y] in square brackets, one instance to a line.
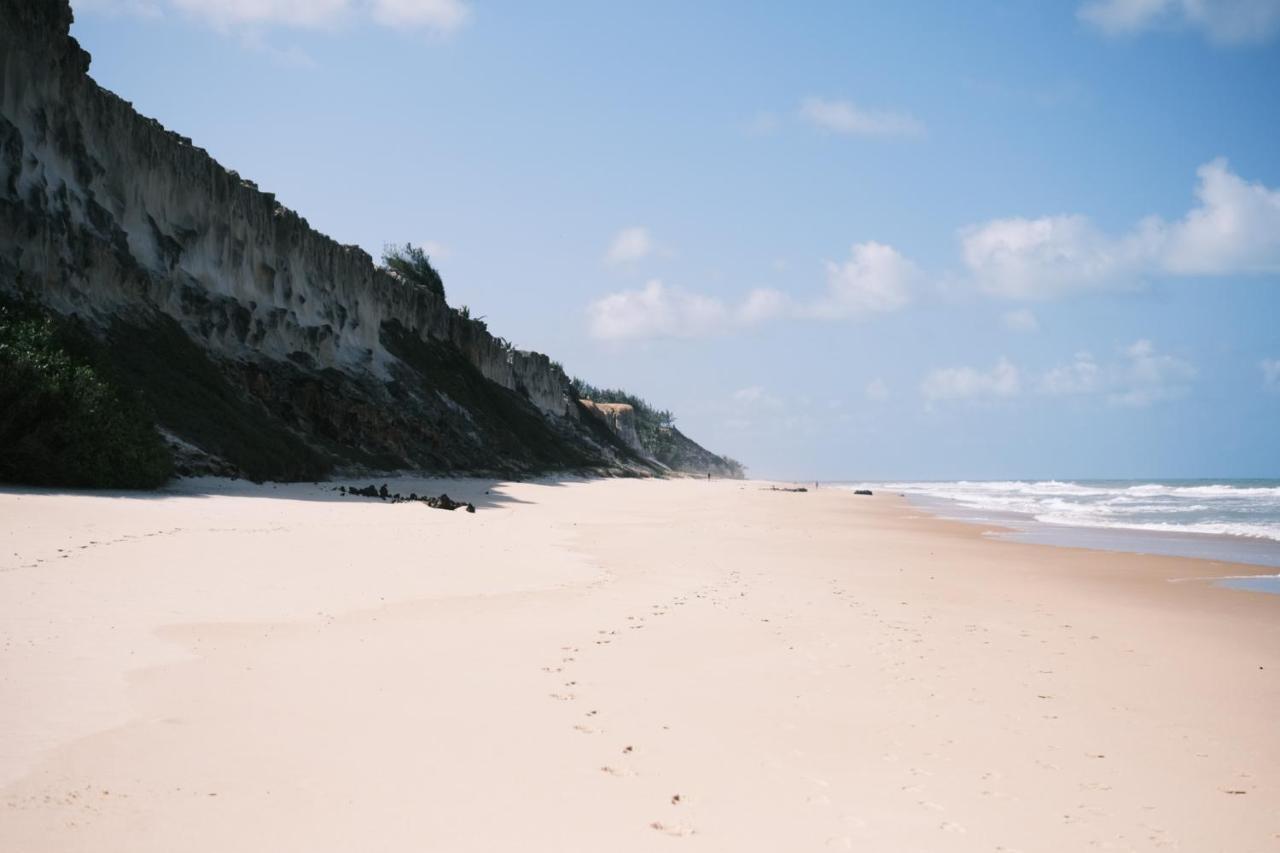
[383, 493]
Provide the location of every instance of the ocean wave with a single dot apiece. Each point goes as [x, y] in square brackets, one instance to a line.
[1245, 509]
[1251, 531]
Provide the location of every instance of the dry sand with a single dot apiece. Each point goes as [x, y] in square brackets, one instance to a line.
[614, 666]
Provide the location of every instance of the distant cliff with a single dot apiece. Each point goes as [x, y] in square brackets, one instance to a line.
[261, 345]
[652, 433]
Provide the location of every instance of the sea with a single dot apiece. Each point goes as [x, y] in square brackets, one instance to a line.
[1231, 521]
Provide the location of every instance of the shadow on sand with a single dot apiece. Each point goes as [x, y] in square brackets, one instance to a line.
[482, 492]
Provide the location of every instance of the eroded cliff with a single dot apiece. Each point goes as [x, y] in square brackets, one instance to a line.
[265, 344]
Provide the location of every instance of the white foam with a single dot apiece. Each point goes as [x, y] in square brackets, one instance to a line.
[1248, 509]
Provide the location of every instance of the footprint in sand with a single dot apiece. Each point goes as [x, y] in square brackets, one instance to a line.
[677, 830]
[616, 771]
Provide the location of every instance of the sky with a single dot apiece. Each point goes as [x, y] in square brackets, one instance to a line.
[840, 240]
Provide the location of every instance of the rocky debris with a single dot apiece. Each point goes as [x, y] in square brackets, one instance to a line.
[780, 489]
[866, 492]
[383, 493]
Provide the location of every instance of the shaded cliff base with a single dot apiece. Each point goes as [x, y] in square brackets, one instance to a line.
[285, 421]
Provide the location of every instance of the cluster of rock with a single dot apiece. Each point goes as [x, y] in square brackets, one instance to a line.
[383, 493]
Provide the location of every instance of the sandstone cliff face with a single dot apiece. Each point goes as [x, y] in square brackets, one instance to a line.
[118, 208]
[175, 260]
[621, 420]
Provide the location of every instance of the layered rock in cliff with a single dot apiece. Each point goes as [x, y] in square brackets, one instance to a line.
[256, 340]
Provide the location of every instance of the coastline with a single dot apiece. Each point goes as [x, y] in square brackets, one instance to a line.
[607, 664]
[1249, 552]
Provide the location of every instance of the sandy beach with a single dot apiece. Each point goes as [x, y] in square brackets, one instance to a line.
[614, 665]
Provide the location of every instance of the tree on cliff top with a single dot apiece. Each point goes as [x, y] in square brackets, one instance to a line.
[412, 266]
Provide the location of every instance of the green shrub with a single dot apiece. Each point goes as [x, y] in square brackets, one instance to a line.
[62, 421]
[412, 266]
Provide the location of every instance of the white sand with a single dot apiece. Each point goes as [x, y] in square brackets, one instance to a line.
[284, 669]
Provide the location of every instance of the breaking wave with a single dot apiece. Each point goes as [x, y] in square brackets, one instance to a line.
[1244, 508]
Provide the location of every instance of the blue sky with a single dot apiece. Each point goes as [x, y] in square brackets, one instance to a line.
[840, 240]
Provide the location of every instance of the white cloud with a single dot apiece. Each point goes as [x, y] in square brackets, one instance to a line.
[1270, 373]
[291, 13]
[438, 16]
[876, 278]
[656, 311]
[762, 304]
[630, 245]
[1081, 376]
[141, 8]
[1116, 17]
[1022, 320]
[1140, 377]
[846, 118]
[442, 16]
[1038, 258]
[1222, 21]
[1234, 230]
[877, 390]
[958, 383]
[659, 311]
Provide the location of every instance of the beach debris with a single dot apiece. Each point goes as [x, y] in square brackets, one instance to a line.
[383, 493]
[783, 489]
[866, 492]
[675, 799]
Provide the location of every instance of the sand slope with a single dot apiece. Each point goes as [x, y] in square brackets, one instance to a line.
[620, 665]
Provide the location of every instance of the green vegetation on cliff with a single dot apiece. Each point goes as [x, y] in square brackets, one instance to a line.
[658, 435]
[412, 266]
[652, 424]
[63, 419]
